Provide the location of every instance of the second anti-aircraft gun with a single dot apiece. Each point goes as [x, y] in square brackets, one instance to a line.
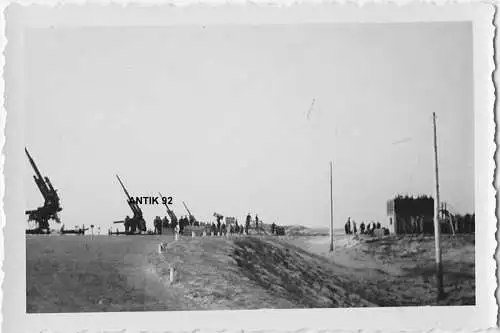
[51, 206]
[192, 219]
[171, 214]
[135, 224]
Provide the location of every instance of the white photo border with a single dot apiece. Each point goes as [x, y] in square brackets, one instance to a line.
[483, 315]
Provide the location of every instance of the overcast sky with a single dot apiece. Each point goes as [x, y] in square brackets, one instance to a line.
[216, 116]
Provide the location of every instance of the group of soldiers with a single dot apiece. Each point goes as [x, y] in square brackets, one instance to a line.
[277, 230]
[222, 229]
[368, 228]
[160, 224]
[215, 228]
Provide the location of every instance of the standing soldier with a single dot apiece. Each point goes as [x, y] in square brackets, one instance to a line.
[347, 226]
[183, 224]
[256, 222]
[247, 224]
[218, 223]
[157, 224]
[174, 225]
[126, 224]
[165, 222]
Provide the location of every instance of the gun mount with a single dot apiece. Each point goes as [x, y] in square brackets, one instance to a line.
[171, 214]
[135, 224]
[51, 206]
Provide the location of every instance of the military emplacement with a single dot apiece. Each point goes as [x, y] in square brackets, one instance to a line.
[404, 218]
[51, 206]
[135, 224]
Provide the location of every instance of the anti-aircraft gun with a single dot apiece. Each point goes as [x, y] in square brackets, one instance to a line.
[171, 214]
[135, 224]
[51, 205]
[192, 219]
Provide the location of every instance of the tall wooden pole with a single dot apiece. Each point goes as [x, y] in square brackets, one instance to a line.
[331, 206]
[439, 265]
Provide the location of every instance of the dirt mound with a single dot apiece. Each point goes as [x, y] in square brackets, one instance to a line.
[250, 273]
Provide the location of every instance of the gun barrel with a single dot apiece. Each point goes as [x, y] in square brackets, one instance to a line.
[118, 222]
[187, 209]
[133, 206]
[33, 164]
[168, 208]
[123, 186]
[169, 211]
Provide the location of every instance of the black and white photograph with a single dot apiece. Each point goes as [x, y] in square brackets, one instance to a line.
[250, 166]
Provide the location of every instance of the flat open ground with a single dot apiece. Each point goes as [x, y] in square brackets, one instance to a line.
[126, 273]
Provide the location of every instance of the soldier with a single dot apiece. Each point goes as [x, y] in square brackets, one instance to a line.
[247, 224]
[218, 217]
[182, 225]
[174, 225]
[362, 227]
[256, 222]
[354, 229]
[165, 223]
[157, 224]
[347, 226]
[127, 224]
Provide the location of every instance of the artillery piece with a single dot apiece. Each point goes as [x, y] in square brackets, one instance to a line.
[51, 205]
[192, 219]
[171, 214]
[135, 224]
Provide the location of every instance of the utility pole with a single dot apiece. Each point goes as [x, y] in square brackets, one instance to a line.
[439, 264]
[331, 206]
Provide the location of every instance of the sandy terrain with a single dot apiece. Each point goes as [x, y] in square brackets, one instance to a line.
[124, 273]
[399, 270]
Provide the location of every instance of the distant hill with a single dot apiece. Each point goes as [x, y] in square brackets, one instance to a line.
[300, 230]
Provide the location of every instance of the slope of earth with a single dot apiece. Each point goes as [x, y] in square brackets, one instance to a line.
[83, 274]
[253, 273]
[400, 270]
